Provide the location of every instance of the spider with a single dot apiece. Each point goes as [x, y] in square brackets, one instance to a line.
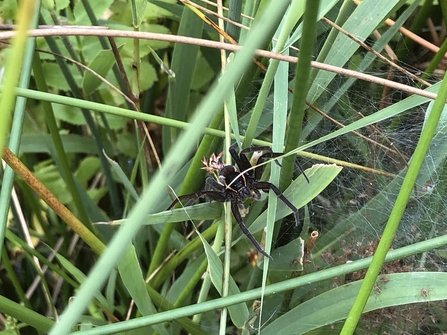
[237, 184]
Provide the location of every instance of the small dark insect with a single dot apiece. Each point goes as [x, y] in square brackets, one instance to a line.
[235, 185]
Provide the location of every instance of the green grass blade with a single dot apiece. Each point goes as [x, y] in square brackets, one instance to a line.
[183, 65]
[132, 276]
[234, 14]
[13, 68]
[292, 17]
[314, 118]
[25, 315]
[238, 313]
[123, 178]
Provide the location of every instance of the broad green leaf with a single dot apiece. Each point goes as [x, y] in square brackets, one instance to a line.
[55, 5]
[69, 114]
[126, 144]
[300, 192]
[88, 167]
[138, 11]
[148, 75]
[61, 4]
[179, 285]
[55, 78]
[8, 9]
[49, 175]
[101, 65]
[27, 316]
[203, 76]
[289, 257]
[123, 178]
[72, 144]
[114, 122]
[144, 43]
[392, 290]
[164, 8]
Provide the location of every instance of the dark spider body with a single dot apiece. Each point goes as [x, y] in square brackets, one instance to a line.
[236, 185]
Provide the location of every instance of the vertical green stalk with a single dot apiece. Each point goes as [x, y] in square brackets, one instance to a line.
[13, 67]
[292, 17]
[234, 14]
[398, 210]
[184, 65]
[228, 222]
[439, 56]
[443, 5]
[206, 284]
[300, 88]
[250, 7]
[279, 130]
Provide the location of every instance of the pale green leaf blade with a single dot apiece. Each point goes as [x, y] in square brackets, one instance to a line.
[101, 65]
[239, 313]
[132, 277]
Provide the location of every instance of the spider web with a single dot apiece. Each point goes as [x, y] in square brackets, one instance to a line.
[351, 213]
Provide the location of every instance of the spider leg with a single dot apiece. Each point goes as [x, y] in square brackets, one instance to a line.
[269, 155]
[240, 222]
[265, 186]
[213, 185]
[213, 195]
[241, 160]
[297, 163]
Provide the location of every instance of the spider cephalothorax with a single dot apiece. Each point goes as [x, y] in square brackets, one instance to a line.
[237, 184]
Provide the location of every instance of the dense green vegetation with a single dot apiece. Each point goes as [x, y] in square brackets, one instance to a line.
[107, 118]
